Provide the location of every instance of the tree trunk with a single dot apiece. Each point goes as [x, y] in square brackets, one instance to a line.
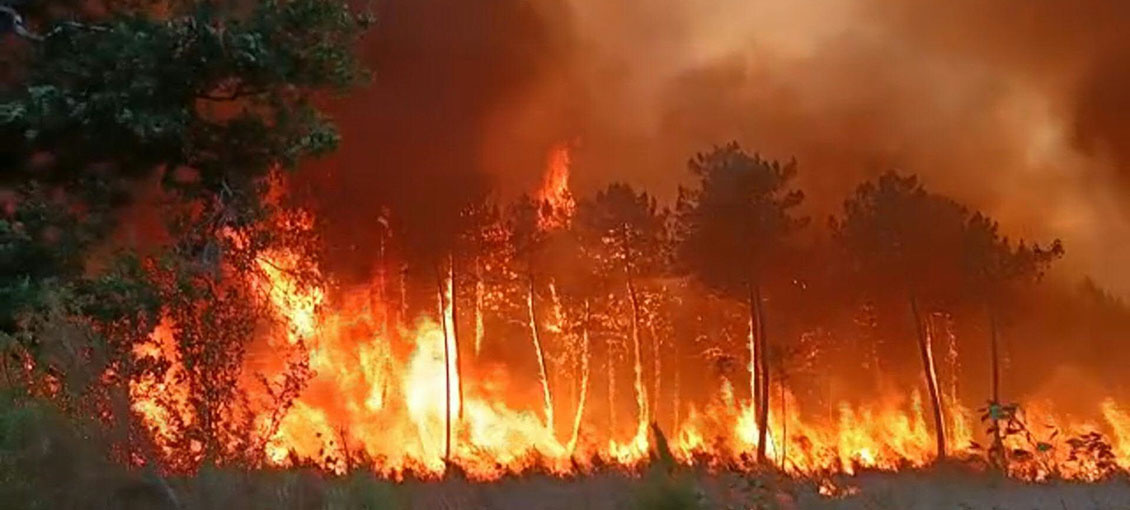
[480, 290]
[754, 379]
[453, 282]
[535, 334]
[784, 421]
[996, 451]
[641, 391]
[994, 357]
[402, 287]
[579, 416]
[763, 376]
[925, 350]
[657, 372]
[446, 369]
[675, 399]
[382, 290]
[611, 366]
[4, 369]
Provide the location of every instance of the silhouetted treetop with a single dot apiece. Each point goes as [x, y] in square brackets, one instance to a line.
[732, 224]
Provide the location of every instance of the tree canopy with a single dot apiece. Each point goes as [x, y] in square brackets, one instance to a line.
[733, 224]
[209, 100]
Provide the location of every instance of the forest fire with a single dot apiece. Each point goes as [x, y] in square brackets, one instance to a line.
[367, 403]
[407, 396]
[514, 254]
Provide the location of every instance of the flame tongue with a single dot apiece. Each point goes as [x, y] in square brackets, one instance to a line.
[378, 397]
[366, 401]
[554, 191]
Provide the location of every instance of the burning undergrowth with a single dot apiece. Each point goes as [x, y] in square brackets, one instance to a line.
[569, 337]
[409, 319]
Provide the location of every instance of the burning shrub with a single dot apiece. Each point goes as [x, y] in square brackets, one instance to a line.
[1092, 454]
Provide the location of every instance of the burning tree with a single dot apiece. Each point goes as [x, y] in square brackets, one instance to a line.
[198, 108]
[625, 237]
[529, 241]
[732, 228]
[906, 243]
[996, 270]
[216, 336]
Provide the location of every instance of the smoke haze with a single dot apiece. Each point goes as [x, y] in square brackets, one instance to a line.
[1013, 107]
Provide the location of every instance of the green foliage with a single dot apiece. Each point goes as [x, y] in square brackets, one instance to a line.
[226, 94]
[41, 247]
[211, 100]
[363, 491]
[207, 101]
[661, 490]
[48, 461]
[17, 430]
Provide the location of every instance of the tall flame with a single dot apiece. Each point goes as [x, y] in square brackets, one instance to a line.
[378, 398]
[554, 190]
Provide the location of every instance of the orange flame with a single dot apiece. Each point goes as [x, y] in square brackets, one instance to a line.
[377, 400]
[554, 191]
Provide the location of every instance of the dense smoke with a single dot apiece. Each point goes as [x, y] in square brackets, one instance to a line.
[1008, 106]
[1012, 107]
[414, 140]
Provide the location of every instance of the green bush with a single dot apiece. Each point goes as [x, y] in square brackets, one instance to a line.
[663, 490]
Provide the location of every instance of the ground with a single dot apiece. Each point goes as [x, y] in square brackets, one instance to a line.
[922, 490]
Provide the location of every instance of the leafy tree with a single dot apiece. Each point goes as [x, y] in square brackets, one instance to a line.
[210, 101]
[206, 101]
[732, 229]
[625, 235]
[907, 243]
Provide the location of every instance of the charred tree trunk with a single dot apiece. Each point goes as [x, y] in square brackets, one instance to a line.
[784, 421]
[924, 349]
[611, 366]
[535, 335]
[758, 367]
[762, 355]
[579, 416]
[381, 303]
[454, 282]
[997, 452]
[676, 397]
[994, 357]
[446, 369]
[657, 372]
[402, 287]
[754, 379]
[480, 290]
[641, 391]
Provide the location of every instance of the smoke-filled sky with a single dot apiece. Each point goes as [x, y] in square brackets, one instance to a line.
[1016, 107]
